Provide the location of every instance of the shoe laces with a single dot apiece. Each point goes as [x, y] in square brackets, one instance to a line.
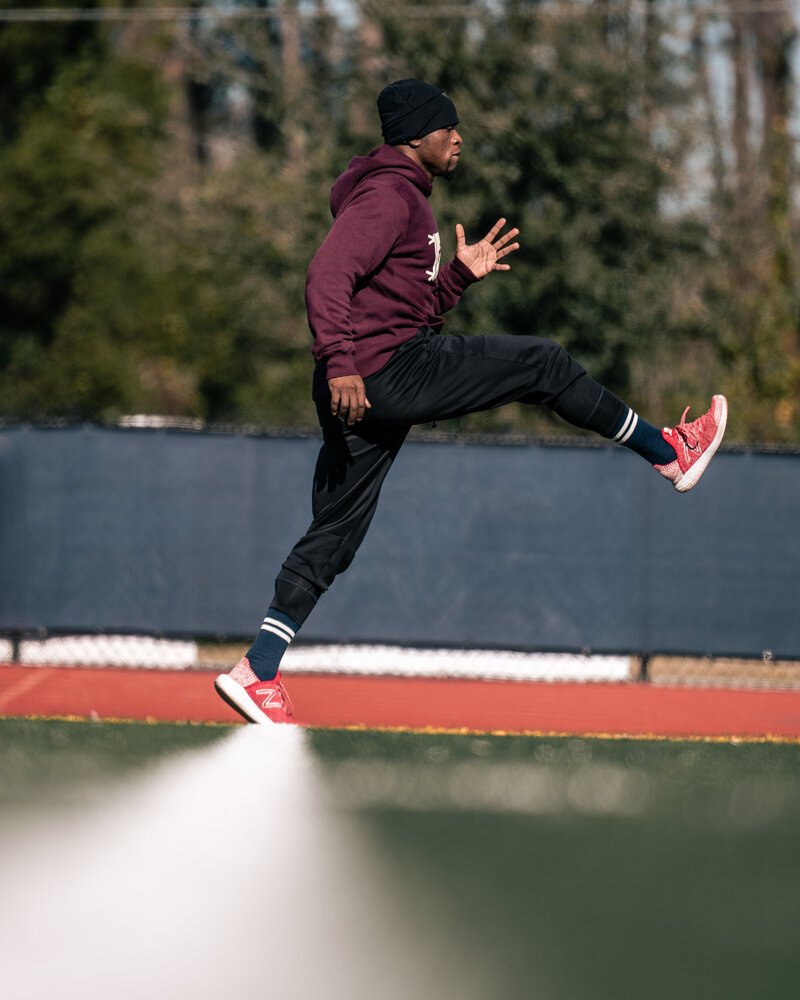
[287, 701]
[686, 431]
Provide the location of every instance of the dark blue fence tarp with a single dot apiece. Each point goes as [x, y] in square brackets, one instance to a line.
[529, 547]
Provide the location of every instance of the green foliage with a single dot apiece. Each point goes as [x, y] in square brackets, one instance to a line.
[31, 54]
[154, 236]
[79, 166]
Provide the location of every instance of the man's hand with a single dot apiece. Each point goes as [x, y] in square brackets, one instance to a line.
[483, 257]
[348, 398]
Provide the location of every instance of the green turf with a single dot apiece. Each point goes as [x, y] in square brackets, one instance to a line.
[641, 869]
[42, 761]
[556, 868]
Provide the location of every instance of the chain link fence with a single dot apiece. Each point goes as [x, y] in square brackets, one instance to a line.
[150, 652]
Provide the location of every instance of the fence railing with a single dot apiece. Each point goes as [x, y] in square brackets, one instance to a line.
[530, 549]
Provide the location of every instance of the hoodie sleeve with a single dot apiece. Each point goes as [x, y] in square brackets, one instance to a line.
[361, 237]
[454, 279]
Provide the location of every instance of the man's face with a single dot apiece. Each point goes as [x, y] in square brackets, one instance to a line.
[439, 151]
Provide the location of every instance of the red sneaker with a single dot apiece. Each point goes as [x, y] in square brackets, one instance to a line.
[258, 701]
[694, 444]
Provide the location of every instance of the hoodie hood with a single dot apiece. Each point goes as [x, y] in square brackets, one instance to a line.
[382, 160]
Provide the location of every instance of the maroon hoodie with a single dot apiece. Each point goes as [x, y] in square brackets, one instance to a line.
[376, 279]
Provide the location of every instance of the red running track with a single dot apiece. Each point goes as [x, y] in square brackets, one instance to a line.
[614, 709]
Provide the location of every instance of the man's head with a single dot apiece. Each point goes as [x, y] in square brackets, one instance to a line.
[422, 119]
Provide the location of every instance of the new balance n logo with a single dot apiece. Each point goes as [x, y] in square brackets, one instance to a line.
[273, 699]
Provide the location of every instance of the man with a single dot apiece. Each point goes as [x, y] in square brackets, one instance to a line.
[376, 293]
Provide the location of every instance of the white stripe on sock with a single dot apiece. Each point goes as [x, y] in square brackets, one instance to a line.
[275, 631]
[632, 428]
[273, 625]
[621, 431]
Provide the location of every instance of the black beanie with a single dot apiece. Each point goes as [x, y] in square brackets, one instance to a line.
[410, 109]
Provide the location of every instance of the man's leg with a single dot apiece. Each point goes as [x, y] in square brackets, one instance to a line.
[434, 377]
[351, 467]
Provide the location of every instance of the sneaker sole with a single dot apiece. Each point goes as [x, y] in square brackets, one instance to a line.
[692, 476]
[236, 696]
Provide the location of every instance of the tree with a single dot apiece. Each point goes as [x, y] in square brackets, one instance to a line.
[31, 55]
[755, 284]
[77, 167]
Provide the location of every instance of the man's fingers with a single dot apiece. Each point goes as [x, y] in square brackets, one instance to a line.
[361, 406]
[355, 411]
[496, 228]
[506, 237]
[340, 403]
[349, 404]
[348, 398]
[491, 236]
[509, 249]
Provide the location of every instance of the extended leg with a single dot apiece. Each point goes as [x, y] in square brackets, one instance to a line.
[434, 377]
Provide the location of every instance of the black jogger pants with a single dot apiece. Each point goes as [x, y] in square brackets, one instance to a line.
[431, 377]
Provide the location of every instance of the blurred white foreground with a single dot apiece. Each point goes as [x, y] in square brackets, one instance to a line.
[228, 871]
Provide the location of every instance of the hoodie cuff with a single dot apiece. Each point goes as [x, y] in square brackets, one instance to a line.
[337, 365]
[462, 275]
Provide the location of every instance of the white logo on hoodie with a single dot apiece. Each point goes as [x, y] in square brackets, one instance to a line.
[437, 244]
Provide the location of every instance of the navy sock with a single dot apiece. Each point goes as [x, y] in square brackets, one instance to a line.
[644, 439]
[271, 643]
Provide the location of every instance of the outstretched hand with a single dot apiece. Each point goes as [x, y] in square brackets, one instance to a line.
[483, 257]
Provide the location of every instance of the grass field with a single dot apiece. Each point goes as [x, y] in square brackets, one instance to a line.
[208, 861]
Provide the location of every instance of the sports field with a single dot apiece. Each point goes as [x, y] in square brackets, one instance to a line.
[195, 861]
